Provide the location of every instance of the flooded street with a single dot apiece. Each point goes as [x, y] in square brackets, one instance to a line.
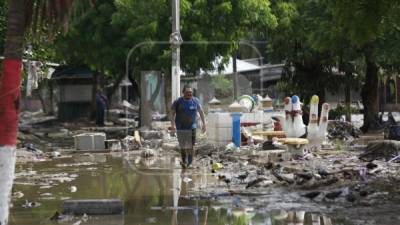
[154, 191]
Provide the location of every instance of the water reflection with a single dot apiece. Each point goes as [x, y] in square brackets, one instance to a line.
[154, 190]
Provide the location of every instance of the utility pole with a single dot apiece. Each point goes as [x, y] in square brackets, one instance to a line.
[175, 40]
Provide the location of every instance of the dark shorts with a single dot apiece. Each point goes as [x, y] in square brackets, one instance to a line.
[186, 138]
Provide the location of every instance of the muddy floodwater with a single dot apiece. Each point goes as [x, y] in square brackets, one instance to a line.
[154, 191]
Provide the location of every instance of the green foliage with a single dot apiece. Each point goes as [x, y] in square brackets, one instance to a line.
[92, 41]
[223, 86]
[340, 110]
[319, 37]
[3, 11]
[284, 87]
[105, 34]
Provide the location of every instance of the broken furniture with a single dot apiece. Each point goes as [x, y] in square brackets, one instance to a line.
[90, 141]
[270, 134]
[296, 146]
[93, 207]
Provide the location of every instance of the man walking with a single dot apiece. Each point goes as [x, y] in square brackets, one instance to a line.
[183, 121]
[101, 106]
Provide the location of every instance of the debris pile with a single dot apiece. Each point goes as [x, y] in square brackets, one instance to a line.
[342, 130]
[386, 149]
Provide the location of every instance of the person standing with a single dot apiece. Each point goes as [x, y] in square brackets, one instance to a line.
[184, 112]
[101, 106]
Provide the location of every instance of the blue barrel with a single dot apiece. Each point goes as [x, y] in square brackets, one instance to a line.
[236, 137]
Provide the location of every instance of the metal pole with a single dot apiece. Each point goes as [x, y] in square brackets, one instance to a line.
[176, 41]
[235, 77]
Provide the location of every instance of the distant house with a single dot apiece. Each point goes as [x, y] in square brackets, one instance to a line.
[75, 91]
[254, 77]
[261, 77]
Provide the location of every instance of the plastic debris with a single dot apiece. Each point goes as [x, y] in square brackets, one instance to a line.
[186, 179]
[217, 166]
[73, 189]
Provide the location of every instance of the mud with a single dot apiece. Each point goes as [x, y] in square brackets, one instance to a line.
[252, 187]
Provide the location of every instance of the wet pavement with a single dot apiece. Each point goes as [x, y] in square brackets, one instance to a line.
[154, 191]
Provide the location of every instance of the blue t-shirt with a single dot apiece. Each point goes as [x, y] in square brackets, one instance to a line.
[186, 113]
[101, 101]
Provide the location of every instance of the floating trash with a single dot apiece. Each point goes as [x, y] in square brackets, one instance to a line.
[73, 189]
[30, 204]
[187, 179]
[18, 194]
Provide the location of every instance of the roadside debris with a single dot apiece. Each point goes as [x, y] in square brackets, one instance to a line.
[386, 149]
[18, 194]
[30, 204]
[73, 189]
[147, 153]
[342, 130]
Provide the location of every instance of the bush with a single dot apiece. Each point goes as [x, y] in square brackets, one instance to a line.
[223, 86]
[340, 110]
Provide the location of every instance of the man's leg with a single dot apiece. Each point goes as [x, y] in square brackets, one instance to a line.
[191, 143]
[101, 119]
[181, 140]
[190, 156]
[183, 155]
[99, 115]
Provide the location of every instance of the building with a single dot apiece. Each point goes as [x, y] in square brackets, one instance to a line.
[76, 90]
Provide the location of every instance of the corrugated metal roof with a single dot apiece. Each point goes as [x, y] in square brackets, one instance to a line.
[72, 72]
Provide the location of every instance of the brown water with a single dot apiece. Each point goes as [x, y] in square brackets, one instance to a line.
[148, 189]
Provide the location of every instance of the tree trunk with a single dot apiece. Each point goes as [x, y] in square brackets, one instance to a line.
[347, 96]
[95, 88]
[51, 98]
[116, 87]
[168, 92]
[11, 76]
[10, 80]
[369, 93]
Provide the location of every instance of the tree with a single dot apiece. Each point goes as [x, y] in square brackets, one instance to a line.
[3, 10]
[127, 23]
[373, 31]
[317, 36]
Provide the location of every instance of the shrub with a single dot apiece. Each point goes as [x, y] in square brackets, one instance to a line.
[223, 86]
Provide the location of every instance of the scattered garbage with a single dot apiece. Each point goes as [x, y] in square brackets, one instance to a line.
[18, 194]
[342, 130]
[231, 147]
[30, 204]
[146, 153]
[318, 176]
[30, 147]
[73, 189]
[130, 143]
[151, 134]
[217, 166]
[55, 154]
[385, 149]
[186, 179]
[113, 144]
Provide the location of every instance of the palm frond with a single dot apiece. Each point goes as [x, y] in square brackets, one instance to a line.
[53, 15]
